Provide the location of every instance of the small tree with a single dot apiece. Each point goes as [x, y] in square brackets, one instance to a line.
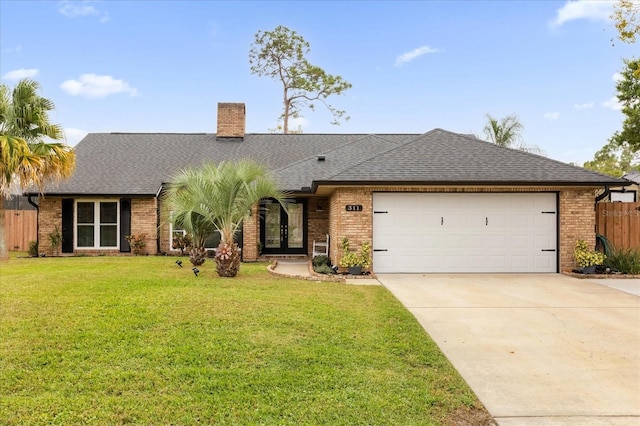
[281, 55]
[218, 198]
[628, 88]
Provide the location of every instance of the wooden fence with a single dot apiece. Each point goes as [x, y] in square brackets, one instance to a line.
[21, 228]
[620, 223]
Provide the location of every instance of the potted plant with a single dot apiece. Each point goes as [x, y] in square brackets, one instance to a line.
[354, 260]
[587, 259]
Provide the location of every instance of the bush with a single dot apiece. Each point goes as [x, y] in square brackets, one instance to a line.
[624, 261]
[586, 257]
[320, 260]
[137, 243]
[33, 249]
[324, 269]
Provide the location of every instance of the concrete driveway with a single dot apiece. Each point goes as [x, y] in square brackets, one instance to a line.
[537, 349]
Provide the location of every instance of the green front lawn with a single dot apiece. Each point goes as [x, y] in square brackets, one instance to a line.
[114, 340]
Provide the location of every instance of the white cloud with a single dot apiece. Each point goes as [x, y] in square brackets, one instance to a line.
[582, 9]
[616, 77]
[410, 56]
[97, 86]
[75, 9]
[552, 115]
[586, 105]
[21, 73]
[16, 49]
[612, 103]
[73, 136]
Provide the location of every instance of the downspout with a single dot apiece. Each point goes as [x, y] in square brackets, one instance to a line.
[605, 194]
[159, 231]
[37, 207]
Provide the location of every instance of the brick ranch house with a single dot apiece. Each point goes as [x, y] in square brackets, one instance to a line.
[432, 202]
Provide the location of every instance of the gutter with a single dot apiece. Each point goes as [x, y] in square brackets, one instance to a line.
[37, 207]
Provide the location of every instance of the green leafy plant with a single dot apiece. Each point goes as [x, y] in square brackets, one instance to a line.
[587, 257]
[324, 269]
[320, 260]
[351, 258]
[322, 265]
[55, 239]
[33, 249]
[137, 242]
[181, 242]
[624, 261]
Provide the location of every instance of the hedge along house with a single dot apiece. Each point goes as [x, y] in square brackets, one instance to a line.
[432, 202]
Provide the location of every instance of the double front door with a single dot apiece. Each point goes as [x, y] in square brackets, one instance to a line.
[283, 232]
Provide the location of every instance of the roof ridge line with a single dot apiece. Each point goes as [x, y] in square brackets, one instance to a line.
[398, 145]
[356, 140]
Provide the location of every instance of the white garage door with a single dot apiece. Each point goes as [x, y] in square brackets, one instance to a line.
[481, 232]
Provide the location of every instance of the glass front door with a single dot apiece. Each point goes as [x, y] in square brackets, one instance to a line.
[283, 232]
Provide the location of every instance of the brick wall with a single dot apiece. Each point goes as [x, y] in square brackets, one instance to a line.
[231, 120]
[356, 226]
[49, 216]
[144, 220]
[577, 221]
[317, 222]
[251, 235]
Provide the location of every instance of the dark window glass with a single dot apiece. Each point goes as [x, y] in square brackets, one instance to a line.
[108, 212]
[85, 212]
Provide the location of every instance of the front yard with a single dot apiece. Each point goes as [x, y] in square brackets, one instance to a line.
[115, 340]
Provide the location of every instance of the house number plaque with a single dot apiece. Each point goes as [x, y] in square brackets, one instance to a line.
[354, 207]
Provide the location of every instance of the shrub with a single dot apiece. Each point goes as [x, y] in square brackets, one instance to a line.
[55, 238]
[624, 261]
[324, 269]
[137, 242]
[33, 249]
[352, 258]
[181, 242]
[320, 260]
[585, 257]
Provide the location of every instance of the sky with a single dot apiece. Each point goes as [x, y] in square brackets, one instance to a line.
[162, 66]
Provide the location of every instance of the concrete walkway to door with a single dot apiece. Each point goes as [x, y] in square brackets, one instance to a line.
[537, 349]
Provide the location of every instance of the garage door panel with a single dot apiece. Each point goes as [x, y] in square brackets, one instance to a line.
[465, 232]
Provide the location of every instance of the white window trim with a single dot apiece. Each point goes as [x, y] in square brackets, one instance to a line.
[171, 236]
[96, 223]
[183, 233]
[628, 192]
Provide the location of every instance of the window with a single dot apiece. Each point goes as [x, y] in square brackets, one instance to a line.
[97, 224]
[211, 243]
[623, 196]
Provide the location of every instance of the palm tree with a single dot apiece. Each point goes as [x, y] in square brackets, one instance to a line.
[507, 132]
[503, 132]
[219, 198]
[26, 158]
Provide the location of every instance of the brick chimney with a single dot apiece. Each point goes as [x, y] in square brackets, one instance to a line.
[231, 120]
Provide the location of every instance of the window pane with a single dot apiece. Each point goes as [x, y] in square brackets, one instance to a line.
[85, 212]
[85, 235]
[108, 212]
[108, 236]
[212, 241]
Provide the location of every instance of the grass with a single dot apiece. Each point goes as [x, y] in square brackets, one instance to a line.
[138, 340]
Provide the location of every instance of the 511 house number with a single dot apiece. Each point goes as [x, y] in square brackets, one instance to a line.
[354, 207]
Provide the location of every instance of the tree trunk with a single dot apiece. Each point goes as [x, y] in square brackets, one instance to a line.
[4, 254]
[285, 118]
[227, 260]
[197, 255]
